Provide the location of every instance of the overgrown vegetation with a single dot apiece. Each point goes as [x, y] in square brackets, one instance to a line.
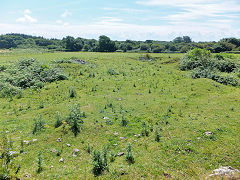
[204, 65]
[154, 121]
[25, 74]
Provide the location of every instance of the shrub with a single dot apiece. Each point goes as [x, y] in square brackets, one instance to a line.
[203, 66]
[8, 90]
[98, 166]
[213, 74]
[145, 131]
[129, 156]
[72, 92]
[28, 73]
[38, 125]
[58, 121]
[157, 136]
[124, 122]
[112, 72]
[39, 162]
[225, 66]
[3, 68]
[195, 58]
[74, 119]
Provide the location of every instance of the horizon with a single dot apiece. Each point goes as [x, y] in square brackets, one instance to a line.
[138, 20]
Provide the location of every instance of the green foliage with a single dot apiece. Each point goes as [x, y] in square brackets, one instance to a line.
[75, 119]
[129, 156]
[123, 122]
[157, 136]
[112, 157]
[27, 73]
[58, 121]
[112, 72]
[204, 66]
[98, 165]
[39, 163]
[72, 92]
[106, 45]
[38, 125]
[5, 158]
[213, 74]
[145, 131]
[195, 58]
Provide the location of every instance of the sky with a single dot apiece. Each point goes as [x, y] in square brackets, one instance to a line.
[202, 20]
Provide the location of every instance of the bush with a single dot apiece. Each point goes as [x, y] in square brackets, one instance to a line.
[39, 162]
[129, 156]
[204, 66]
[74, 119]
[225, 66]
[8, 90]
[195, 58]
[58, 121]
[213, 74]
[28, 73]
[38, 125]
[112, 72]
[72, 92]
[98, 166]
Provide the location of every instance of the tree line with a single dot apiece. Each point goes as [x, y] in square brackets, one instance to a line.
[105, 44]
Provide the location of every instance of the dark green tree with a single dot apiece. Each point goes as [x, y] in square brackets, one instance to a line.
[106, 45]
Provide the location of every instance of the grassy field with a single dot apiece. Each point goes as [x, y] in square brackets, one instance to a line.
[115, 89]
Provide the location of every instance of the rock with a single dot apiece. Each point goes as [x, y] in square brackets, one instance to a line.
[68, 145]
[120, 154]
[54, 150]
[208, 133]
[61, 160]
[59, 140]
[116, 133]
[137, 135]
[76, 150]
[225, 171]
[74, 155]
[79, 61]
[26, 142]
[122, 138]
[12, 153]
[34, 140]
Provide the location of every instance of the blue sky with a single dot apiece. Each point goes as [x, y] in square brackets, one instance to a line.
[203, 20]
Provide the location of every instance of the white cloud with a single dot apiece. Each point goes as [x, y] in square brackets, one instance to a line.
[127, 10]
[59, 21]
[26, 17]
[27, 11]
[117, 30]
[213, 14]
[107, 19]
[66, 13]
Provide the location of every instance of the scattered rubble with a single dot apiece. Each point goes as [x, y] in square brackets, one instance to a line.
[120, 154]
[225, 171]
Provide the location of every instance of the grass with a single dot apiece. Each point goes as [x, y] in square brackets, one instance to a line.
[117, 86]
